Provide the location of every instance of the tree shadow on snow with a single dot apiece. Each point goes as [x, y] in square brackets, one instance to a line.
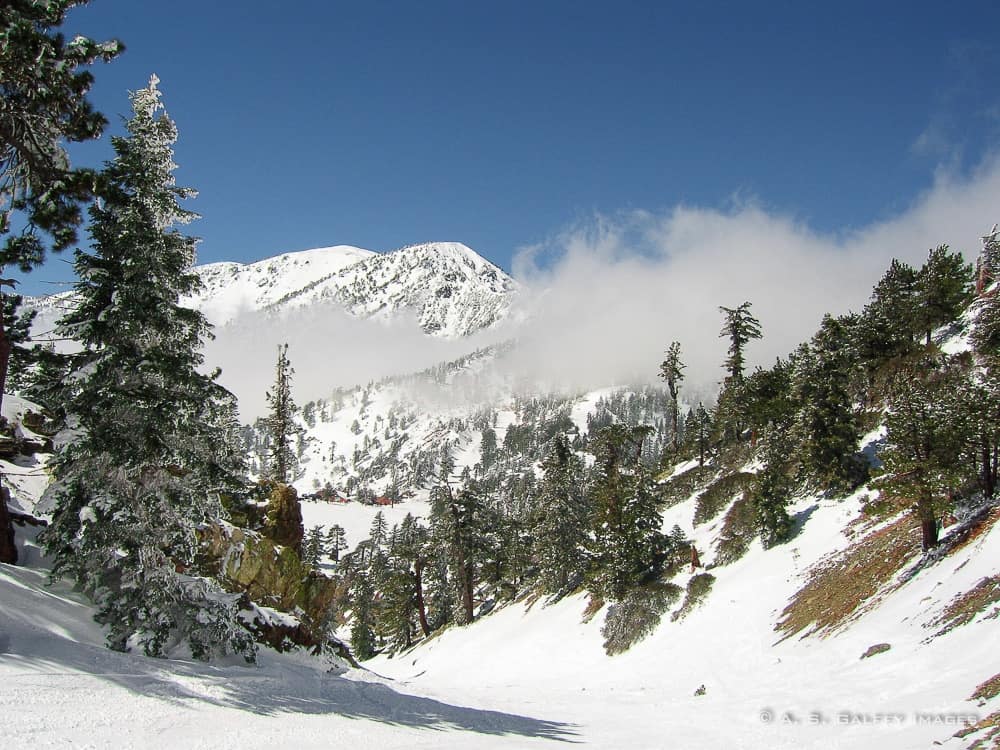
[47, 637]
[44, 660]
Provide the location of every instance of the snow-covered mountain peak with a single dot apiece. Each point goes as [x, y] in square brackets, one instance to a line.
[451, 289]
[232, 287]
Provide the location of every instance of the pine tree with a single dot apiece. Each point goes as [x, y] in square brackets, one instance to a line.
[560, 518]
[627, 543]
[312, 548]
[23, 357]
[282, 429]
[458, 527]
[672, 372]
[927, 438]
[889, 323]
[336, 542]
[152, 449]
[363, 641]
[828, 428]
[43, 104]
[741, 327]
[773, 491]
[698, 429]
[944, 289]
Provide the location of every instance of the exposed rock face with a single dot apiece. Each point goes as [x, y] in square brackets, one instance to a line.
[271, 575]
[284, 518]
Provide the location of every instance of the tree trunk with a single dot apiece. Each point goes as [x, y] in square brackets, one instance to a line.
[467, 604]
[8, 550]
[989, 479]
[928, 524]
[418, 571]
[695, 560]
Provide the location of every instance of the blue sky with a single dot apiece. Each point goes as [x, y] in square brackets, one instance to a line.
[500, 124]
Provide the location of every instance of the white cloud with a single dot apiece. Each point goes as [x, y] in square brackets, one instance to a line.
[621, 288]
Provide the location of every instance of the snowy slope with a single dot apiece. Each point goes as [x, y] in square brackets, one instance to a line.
[759, 692]
[62, 688]
[531, 675]
[231, 288]
[454, 291]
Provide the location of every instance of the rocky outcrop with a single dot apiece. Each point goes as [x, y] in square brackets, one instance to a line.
[271, 575]
[283, 524]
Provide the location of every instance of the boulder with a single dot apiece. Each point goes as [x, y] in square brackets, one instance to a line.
[271, 575]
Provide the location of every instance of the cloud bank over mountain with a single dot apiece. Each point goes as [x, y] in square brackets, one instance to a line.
[599, 303]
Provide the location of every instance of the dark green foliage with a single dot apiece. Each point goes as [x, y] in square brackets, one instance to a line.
[698, 428]
[944, 289]
[889, 323]
[927, 437]
[767, 398]
[986, 331]
[740, 327]
[312, 546]
[363, 642]
[979, 401]
[772, 492]
[336, 542]
[460, 526]
[828, 428]
[698, 588]
[22, 357]
[637, 614]
[44, 104]
[739, 529]
[560, 518]
[627, 546]
[672, 373]
[719, 494]
[282, 430]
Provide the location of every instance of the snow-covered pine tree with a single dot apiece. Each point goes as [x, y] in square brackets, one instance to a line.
[828, 429]
[561, 518]
[281, 427]
[741, 327]
[149, 449]
[336, 542]
[627, 543]
[672, 372]
[927, 437]
[944, 289]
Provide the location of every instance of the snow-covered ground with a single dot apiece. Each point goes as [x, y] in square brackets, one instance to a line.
[530, 675]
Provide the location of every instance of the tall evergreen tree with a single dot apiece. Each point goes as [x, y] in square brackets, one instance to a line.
[772, 491]
[828, 428]
[561, 518]
[698, 432]
[926, 441]
[151, 452]
[740, 327]
[282, 429]
[44, 84]
[672, 372]
[459, 528]
[944, 289]
[889, 323]
[627, 542]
